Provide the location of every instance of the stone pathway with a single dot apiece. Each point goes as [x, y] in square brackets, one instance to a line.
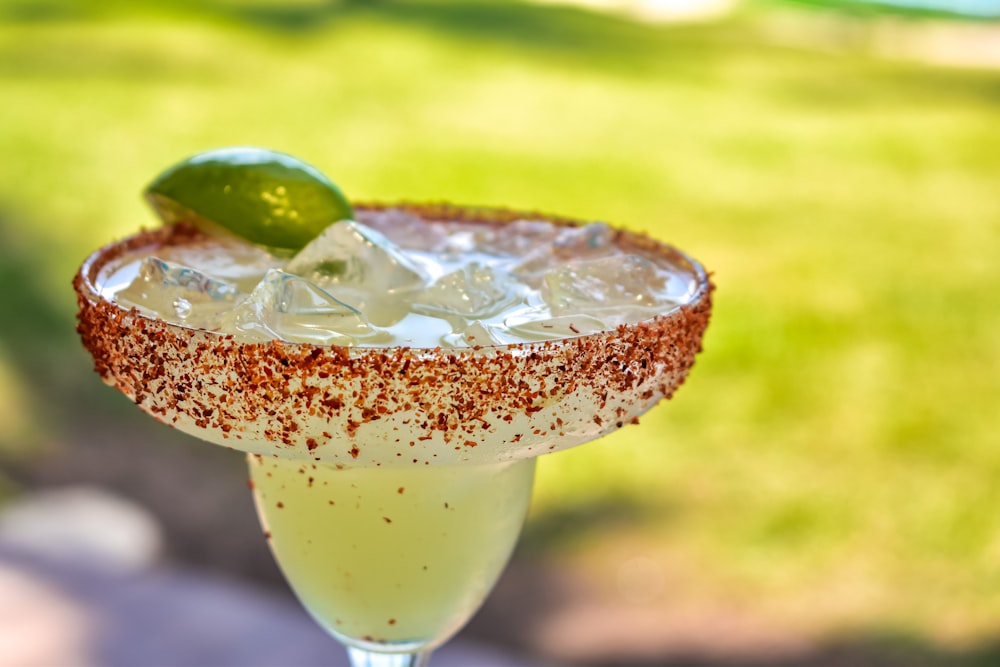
[81, 585]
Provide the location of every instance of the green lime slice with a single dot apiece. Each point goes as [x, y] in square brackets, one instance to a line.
[268, 198]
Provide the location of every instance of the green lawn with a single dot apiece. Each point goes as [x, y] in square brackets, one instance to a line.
[831, 462]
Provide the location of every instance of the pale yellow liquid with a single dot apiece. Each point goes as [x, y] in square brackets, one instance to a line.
[391, 558]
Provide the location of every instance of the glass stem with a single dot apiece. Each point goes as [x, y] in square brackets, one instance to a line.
[363, 658]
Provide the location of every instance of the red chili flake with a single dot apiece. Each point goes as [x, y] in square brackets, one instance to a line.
[470, 443]
[400, 490]
[311, 444]
[392, 621]
[281, 505]
[387, 519]
[354, 451]
[250, 484]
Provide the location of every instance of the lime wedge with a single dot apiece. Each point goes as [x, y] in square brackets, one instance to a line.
[268, 198]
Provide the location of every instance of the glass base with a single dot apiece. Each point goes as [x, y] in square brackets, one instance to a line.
[362, 658]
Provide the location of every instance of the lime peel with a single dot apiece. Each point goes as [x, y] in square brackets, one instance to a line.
[266, 197]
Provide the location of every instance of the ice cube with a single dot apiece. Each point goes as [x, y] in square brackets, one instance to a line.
[619, 287]
[405, 229]
[350, 254]
[473, 290]
[517, 237]
[178, 293]
[290, 308]
[540, 323]
[475, 334]
[242, 264]
[480, 333]
[590, 239]
[586, 242]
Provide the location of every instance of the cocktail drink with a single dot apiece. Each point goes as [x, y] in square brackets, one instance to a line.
[393, 379]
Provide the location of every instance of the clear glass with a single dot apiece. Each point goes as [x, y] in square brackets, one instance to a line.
[391, 560]
[362, 658]
[393, 482]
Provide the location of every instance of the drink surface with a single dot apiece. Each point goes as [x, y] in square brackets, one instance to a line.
[393, 559]
[394, 279]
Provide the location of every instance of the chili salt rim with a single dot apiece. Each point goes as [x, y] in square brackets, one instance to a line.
[393, 405]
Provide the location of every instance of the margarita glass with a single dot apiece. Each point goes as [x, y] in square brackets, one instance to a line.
[392, 479]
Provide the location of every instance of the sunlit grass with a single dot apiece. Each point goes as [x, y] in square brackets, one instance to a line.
[831, 460]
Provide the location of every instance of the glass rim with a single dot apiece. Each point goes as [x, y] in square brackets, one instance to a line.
[188, 377]
[99, 258]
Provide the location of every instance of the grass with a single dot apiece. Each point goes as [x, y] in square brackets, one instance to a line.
[832, 462]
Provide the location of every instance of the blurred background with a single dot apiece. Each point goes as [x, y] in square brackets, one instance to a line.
[824, 490]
